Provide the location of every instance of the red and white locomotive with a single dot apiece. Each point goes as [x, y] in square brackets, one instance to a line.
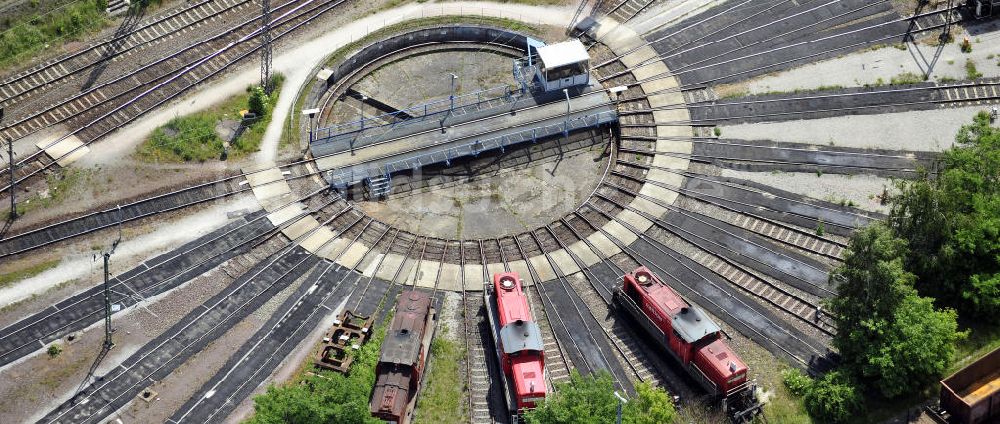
[691, 338]
[518, 342]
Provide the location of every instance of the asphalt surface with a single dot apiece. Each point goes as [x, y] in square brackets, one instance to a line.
[767, 156]
[161, 356]
[745, 247]
[772, 203]
[323, 290]
[590, 350]
[816, 104]
[110, 218]
[150, 278]
[723, 53]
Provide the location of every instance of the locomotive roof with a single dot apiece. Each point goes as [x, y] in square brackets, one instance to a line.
[521, 335]
[692, 324]
[689, 322]
[405, 335]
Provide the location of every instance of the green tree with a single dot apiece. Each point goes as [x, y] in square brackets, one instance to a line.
[581, 400]
[651, 405]
[952, 223]
[591, 400]
[833, 399]
[887, 335]
[870, 286]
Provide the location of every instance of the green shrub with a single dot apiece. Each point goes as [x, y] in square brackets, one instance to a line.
[258, 101]
[796, 382]
[833, 399]
[590, 400]
[53, 351]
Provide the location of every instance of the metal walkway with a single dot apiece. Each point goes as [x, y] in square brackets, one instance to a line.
[373, 160]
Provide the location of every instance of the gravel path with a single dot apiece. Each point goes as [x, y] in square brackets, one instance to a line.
[860, 189]
[130, 252]
[869, 66]
[928, 130]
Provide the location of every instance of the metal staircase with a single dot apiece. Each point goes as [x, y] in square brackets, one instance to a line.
[379, 186]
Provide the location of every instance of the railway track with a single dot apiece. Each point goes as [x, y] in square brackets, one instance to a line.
[625, 10]
[19, 88]
[260, 356]
[590, 351]
[155, 84]
[731, 306]
[816, 44]
[191, 334]
[154, 277]
[35, 238]
[637, 123]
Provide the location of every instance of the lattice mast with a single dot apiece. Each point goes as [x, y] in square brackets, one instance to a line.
[265, 47]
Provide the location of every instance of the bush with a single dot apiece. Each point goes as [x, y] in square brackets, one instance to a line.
[326, 397]
[796, 382]
[832, 399]
[887, 334]
[650, 405]
[258, 101]
[54, 350]
[591, 400]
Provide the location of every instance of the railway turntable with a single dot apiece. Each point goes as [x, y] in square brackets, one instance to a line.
[554, 95]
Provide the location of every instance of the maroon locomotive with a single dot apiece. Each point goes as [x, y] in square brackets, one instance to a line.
[404, 354]
[518, 342]
[691, 338]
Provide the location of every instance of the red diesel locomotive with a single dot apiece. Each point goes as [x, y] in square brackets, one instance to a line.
[404, 354]
[518, 342]
[691, 338]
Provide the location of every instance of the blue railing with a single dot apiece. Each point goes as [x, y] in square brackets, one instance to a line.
[358, 173]
[463, 104]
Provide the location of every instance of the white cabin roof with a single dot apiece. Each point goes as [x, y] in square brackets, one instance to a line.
[564, 53]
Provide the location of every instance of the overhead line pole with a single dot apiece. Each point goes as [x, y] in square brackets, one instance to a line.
[108, 343]
[265, 51]
[10, 157]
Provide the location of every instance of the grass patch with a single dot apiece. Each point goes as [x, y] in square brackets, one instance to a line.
[441, 399]
[35, 33]
[805, 90]
[906, 78]
[60, 184]
[194, 138]
[784, 407]
[970, 70]
[28, 272]
[982, 339]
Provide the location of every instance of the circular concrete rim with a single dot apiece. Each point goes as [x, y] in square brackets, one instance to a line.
[618, 38]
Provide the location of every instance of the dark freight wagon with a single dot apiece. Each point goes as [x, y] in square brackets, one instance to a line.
[972, 395]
